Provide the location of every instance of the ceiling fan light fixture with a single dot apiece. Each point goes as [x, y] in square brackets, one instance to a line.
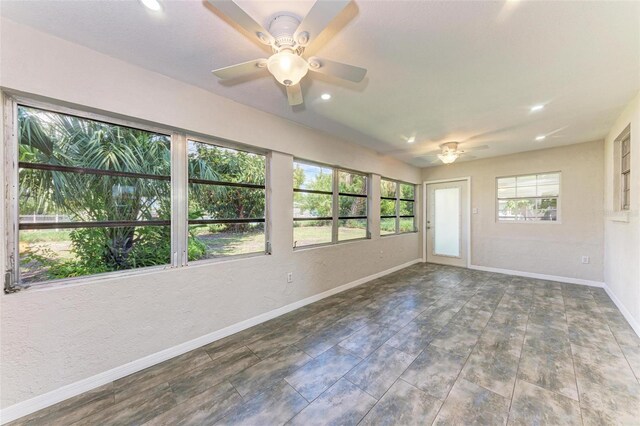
[448, 157]
[288, 36]
[153, 5]
[287, 67]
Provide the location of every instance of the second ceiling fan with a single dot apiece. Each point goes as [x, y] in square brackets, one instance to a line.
[450, 152]
[288, 38]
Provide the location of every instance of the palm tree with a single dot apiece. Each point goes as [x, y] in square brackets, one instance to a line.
[84, 195]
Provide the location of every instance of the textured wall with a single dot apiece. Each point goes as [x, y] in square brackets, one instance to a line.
[544, 248]
[54, 337]
[622, 238]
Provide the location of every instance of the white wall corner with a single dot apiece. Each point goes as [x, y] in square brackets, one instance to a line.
[48, 399]
[625, 312]
[568, 280]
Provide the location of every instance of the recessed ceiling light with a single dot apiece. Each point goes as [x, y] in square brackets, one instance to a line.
[325, 96]
[537, 108]
[412, 139]
[540, 138]
[152, 5]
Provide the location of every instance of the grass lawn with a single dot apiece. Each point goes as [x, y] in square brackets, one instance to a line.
[231, 243]
[57, 244]
[41, 235]
[308, 235]
[218, 243]
[50, 243]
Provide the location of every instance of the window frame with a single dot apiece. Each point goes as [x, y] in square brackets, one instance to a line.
[339, 194]
[536, 174]
[178, 191]
[625, 174]
[335, 204]
[397, 200]
[219, 143]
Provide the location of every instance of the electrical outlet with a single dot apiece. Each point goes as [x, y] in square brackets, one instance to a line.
[289, 277]
[585, 259]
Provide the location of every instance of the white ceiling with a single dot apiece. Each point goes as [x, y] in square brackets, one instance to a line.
[442, 71]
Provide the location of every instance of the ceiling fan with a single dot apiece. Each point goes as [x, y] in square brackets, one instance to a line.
[449, 152]
[288, 37]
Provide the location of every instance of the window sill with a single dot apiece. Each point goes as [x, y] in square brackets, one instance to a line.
[339, 243]
[225, 259]
[529, 222]
[620, 216]
[63, 283]
[395, 234]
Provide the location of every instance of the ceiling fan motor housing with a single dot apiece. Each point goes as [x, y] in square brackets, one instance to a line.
[288, 36]
[282, 28]
[450, 147]
[286, 64]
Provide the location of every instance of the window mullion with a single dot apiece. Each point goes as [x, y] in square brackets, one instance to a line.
[179, 201]
[397, 207]
[335, 205]
[10, 158]
[268, 184]
[369, 189]
[414, 210]
[625, 190]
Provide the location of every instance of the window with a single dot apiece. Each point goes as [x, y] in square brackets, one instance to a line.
[93, 197]
[329, 205]
[529, 198]
[352, 195]
[312, 204]
[226, 201]
[625, 171]
[397, 207]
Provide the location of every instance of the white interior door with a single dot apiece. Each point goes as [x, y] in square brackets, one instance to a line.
[447, 223]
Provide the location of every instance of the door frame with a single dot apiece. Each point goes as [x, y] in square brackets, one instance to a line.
[426, 213]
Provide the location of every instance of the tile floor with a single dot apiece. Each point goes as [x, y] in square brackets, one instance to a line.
[428, 344]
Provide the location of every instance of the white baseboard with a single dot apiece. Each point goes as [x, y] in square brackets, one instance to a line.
[39, 402]
[625, 312]
[558, 278]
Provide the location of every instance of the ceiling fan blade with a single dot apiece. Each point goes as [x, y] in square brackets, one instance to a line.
[294, 93]
[320, 15]
[433, 153]
[475, 148]
[431, 160]
[466, 156]
[234, 12]
[337, 69]
[241, 70]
